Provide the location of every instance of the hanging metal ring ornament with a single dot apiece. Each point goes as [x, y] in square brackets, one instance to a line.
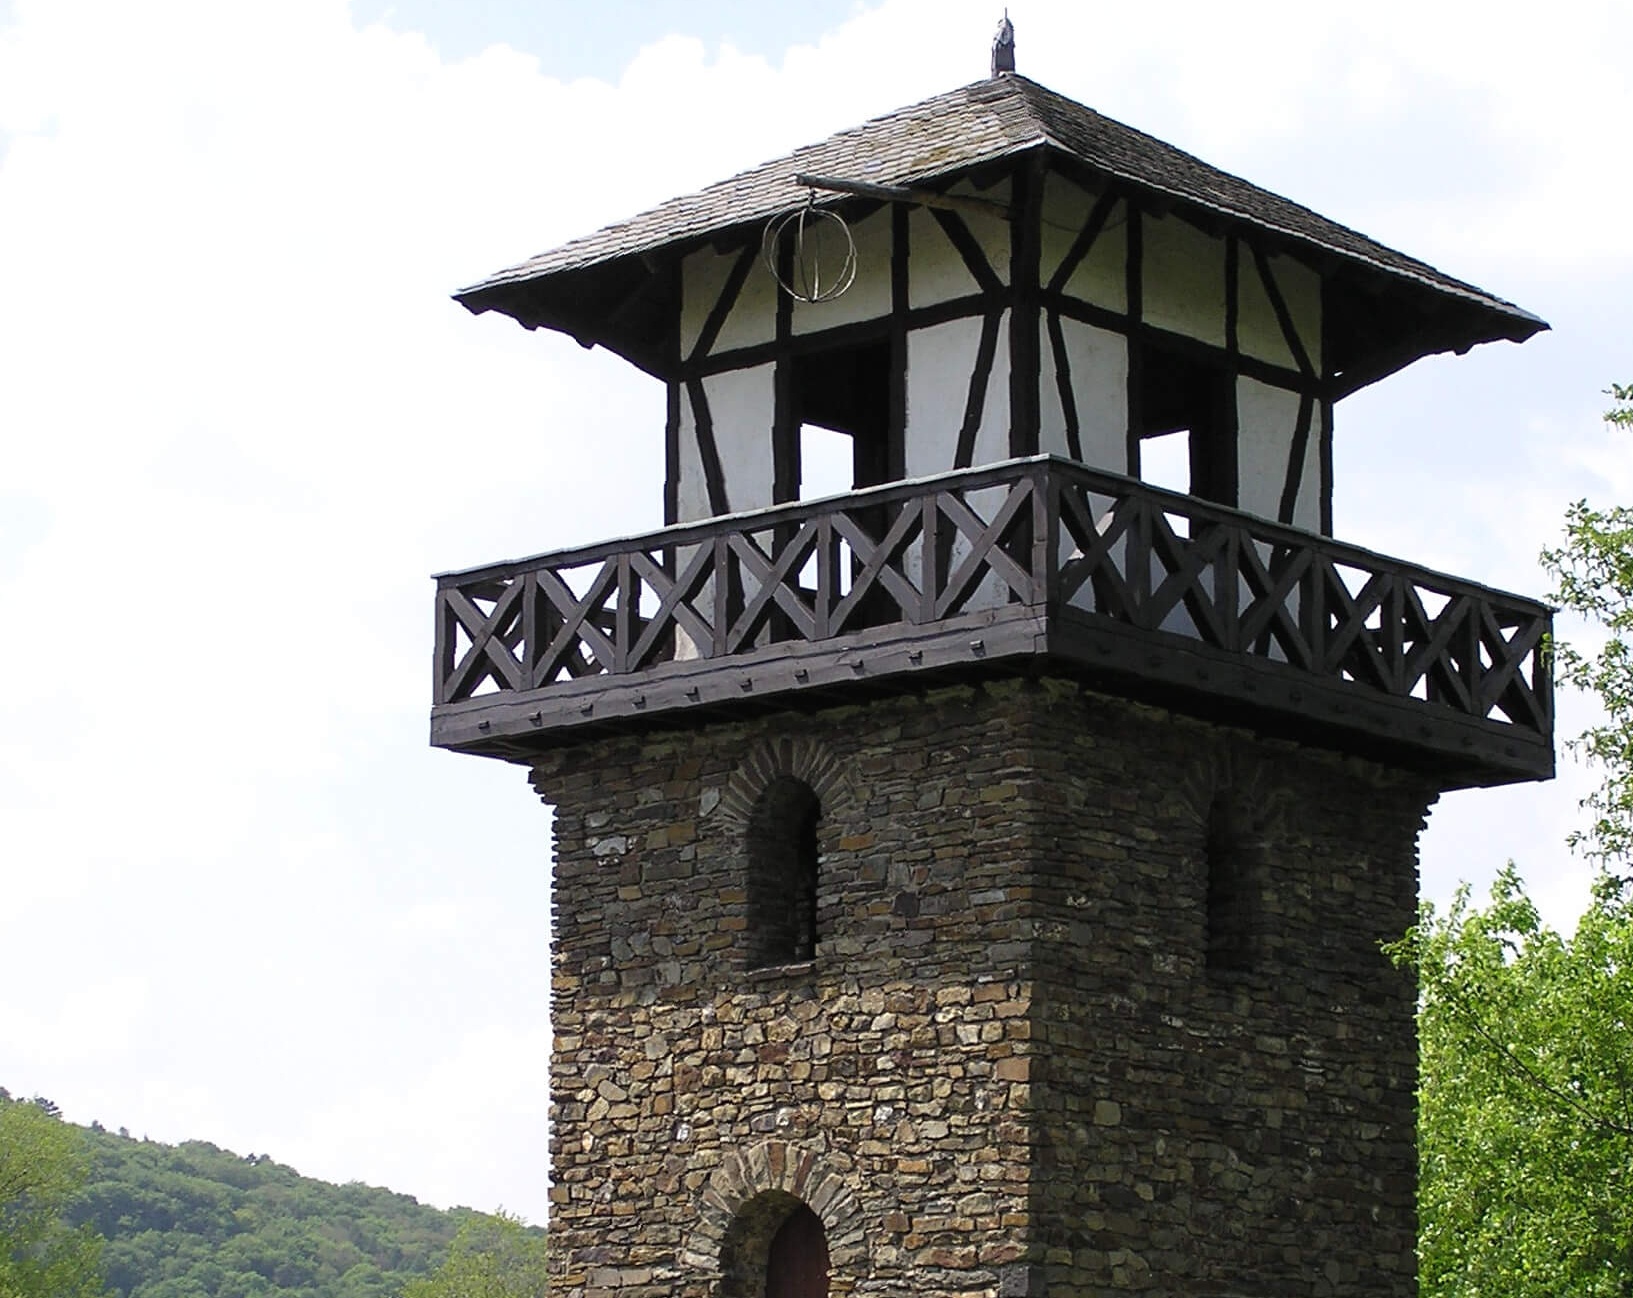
[814, 278]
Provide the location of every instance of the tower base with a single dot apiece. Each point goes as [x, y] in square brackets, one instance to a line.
[1096, 1005]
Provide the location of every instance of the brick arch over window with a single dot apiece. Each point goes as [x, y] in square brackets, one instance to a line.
[797, 758]
[785, 803]
[752, 1194]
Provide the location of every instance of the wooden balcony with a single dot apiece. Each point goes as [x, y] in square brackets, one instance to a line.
[1032, 566]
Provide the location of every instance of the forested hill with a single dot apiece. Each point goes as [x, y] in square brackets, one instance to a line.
[194, 1221]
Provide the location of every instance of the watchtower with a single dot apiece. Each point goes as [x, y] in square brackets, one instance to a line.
[971, 882]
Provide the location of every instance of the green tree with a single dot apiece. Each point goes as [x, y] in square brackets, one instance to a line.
[1525, 1114]
[491, 1257]
[43, 1164]
[1525, 1118]
[1593, 576]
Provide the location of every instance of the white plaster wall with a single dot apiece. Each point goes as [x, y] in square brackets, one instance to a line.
[1266, 418]
[691, 491]
[752, 320]
[935, 271]
[992, 439]
[743, 404]
[990, 231]
[940, 361]
[1051, 417]
[1307, 508]
[1183, 279]
[868, 297]
[1098, 362]
[1258, 332]
[1065, 208]
[1101, 277]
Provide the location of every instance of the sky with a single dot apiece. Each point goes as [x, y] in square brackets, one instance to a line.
[241, 421]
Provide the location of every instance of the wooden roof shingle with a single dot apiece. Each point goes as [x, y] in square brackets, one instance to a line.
[934, 141]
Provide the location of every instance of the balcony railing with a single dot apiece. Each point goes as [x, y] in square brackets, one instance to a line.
[1155, 593]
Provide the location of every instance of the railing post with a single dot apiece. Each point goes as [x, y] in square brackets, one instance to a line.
[823, 599]
[622, 627]
[1043, 535]
[1472, 671]
[442, 656]
[1312, 610]
[1542, 673]
[1227, 587]
[529, 644]
[930, 573]
[1138, 577]
[722, 596]
[1392, 617]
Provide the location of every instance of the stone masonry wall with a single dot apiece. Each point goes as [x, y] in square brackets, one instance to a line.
[1236, 1131]
[1008, 1069]
[886, 1078]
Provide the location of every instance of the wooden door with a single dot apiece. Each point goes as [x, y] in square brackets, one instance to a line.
[797, 1265]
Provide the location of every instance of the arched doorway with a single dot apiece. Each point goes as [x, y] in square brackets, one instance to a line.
[775, 1247]
[797, 1262]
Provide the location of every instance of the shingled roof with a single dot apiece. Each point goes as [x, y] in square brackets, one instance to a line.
[953, 133]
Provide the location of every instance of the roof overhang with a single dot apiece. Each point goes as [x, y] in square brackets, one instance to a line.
[618, 288]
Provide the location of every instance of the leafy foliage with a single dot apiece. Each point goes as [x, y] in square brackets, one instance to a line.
[1525, 1117]
[1622, 411]
[42, 1166]
[195, 1221]
[492, 1257]
[1593, 574]
[1525, 1122]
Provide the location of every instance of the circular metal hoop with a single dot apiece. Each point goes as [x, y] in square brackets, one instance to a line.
[812, 275]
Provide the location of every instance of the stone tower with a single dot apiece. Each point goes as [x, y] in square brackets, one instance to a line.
[971, 882]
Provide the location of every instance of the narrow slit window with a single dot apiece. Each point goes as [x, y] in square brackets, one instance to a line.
[782, 875]
[1232, 884]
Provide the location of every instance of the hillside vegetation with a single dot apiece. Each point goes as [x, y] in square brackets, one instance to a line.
[195, 1221]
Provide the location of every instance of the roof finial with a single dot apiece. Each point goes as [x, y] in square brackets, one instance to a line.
[1003, 47]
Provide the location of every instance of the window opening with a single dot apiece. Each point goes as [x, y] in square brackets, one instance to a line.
[1165, 460]
[1230, 853]
[846, 391]
[1186, 409]
[826, 462]
[841, 402]
[782, 874]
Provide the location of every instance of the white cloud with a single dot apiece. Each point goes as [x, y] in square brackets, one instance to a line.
[250, 421]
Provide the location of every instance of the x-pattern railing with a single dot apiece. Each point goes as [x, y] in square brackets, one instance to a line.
[1043, 534]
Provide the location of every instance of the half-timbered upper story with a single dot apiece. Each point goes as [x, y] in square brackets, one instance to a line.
[1030, 279]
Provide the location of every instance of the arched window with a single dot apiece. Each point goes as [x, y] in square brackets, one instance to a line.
[1231, 852]
[782, 874]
